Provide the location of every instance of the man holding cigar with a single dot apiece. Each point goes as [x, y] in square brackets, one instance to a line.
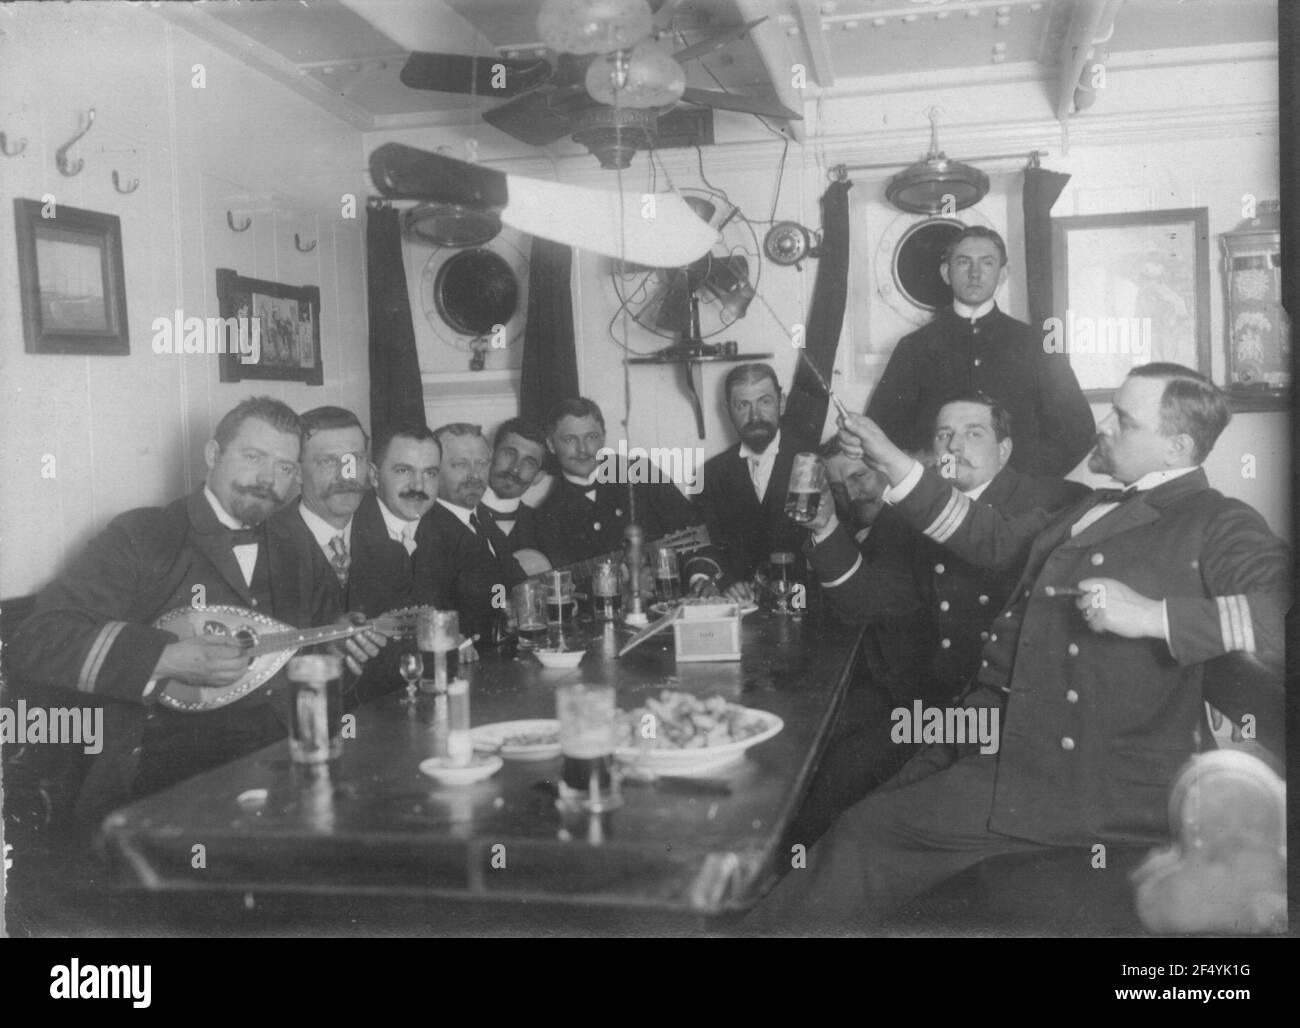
[1100, 694]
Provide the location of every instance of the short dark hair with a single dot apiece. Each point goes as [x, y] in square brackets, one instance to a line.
[832, 447]
[1191, 403]
[320, 419]
[521, 427]
[416, 430]
[745, 373]
[575, 407]
[975, 232]
[1001, 417]
[460, 429]
[278, 415]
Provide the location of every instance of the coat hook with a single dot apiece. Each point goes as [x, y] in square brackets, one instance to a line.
[61, 155]
[303, 249]
[230, 220]
[117, 184]
[4, 146]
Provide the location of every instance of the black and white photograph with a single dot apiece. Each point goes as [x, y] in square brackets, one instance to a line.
[624, 469]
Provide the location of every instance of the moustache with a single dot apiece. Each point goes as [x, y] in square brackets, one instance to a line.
[339, 488]
[259, 492]
[414, 494]
[473, 483]
[510, 476]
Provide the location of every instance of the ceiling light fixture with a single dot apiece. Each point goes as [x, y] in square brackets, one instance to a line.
[645, 76]
[593, 26]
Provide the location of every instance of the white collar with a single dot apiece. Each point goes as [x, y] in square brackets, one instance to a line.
[499, 503]
[978, 491]
[587, 483]
[397, 526]
[322, 531]
[223, 515]
[462, 513]
[747, 452]
[972, 313]
[1154, 478]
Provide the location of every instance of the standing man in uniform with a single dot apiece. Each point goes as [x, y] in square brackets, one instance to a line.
[973, 345]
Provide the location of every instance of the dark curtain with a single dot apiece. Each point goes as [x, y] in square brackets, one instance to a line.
[396, 393]
[1042, 187]
[805, 411]
[550, 363]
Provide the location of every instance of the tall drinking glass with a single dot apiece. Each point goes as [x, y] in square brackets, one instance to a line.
[587, 732]
[529, 602]
[438, 636]
[807, 477]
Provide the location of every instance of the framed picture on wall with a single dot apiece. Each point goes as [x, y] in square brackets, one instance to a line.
[278, 328]
[71, 278]
[1130, 289]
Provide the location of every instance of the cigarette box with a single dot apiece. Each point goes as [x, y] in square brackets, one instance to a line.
[707, 632]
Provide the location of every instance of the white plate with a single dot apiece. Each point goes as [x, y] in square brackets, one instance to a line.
[555, 659]
[660, 609]
[708, 758]
[491, 738]
[482, 766]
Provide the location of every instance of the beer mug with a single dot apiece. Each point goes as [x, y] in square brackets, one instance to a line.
[587, 716]
[529, 602]
[807, 479]
[561, 608]
[668, 578]
[315, 708]
[778, 579]
[606, 592]
[437, 634]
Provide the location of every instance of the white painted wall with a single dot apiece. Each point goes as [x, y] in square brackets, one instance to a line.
[128, 431]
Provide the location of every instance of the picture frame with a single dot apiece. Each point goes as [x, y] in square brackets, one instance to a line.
[1130, 289]
[71, 278]
[286, 320]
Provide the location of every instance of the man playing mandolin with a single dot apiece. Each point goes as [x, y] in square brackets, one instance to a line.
[93, 630]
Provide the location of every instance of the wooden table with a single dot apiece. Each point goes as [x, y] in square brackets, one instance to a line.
[379, 828]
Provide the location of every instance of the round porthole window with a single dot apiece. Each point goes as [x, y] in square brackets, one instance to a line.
[916, 262]
[476, 290]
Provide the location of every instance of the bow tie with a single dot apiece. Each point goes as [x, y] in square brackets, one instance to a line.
[1114, 495]
[243, 536]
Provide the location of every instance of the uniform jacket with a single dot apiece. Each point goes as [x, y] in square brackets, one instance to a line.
[454, 569]
[571, 528]
[998, 355]
[91, 638]
[923, 600]
[1096, 727]
[379, 575]
[523, 533]
[745, 529]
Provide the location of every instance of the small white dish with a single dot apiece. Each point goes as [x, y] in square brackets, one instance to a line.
[560, 658]
[540, 739]
[441, 769]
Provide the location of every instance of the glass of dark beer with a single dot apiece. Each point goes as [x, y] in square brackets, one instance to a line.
[438, 637]
[606, 592]
[668, 578]
[807, 478]
[529, 601]
[315, 708]
[587, 731]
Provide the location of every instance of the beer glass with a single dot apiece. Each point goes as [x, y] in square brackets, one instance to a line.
[807, 477]
[587, 730]
[560, 605]
[529, 601]
[606, 592]
[777, 577]
[668, 579]
[438, 637]
[315, 708]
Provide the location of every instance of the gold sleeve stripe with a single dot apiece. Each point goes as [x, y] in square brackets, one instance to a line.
[97, 655]
[1235, 623]
[954, 513]
[844, 577]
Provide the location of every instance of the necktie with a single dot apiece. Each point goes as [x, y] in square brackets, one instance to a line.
[477, 525]
[1114, 495]
[753, 476]
[243, 536]
[339, 558]
[408, 537]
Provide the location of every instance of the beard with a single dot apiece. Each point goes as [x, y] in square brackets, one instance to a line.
[254, 504]
[758, 434]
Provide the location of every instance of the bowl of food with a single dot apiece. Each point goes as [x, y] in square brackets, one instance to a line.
[534, 739]
[678, 733]
[559, 659]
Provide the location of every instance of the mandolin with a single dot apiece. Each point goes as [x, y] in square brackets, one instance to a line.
[268, 642]
[687, 540]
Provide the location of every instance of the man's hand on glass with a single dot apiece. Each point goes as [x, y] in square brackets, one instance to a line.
[862, 438]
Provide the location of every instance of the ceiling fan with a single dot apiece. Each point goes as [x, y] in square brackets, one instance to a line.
[611, 84]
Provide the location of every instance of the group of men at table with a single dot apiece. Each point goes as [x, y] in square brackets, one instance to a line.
[946, 559]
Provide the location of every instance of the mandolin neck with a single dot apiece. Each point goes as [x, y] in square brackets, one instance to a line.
[306, 637]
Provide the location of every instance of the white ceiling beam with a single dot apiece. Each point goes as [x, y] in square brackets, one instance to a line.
[810, 22]
[774, 50]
